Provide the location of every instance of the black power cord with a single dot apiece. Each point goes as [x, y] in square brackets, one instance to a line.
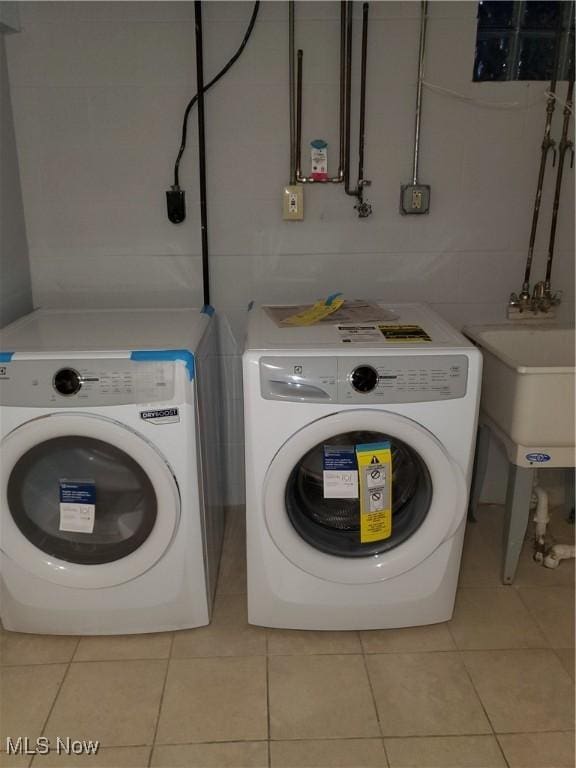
[175, 196]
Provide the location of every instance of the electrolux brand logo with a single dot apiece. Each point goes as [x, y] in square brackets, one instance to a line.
[3, 370]
[538, 458]
[161, 415]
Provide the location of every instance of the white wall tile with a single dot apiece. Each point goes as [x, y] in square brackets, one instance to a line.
[116, 280]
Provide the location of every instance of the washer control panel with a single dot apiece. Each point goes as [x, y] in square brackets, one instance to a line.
[74, 383]
[359, 380]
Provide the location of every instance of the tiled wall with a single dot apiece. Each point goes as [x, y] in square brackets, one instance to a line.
[99, 90]
[15, 287]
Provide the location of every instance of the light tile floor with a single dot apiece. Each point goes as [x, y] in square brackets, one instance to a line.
[492, 688]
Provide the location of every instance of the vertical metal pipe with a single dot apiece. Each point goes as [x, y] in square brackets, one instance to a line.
[342, 108]
[563, 147]
[421, 51]
[202, 148]
[362, 99]
[299, 116]
[291, 25]
[348, 94]
[547, 144]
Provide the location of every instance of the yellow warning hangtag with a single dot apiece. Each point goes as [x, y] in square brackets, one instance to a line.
[375, 481]
[316, 312]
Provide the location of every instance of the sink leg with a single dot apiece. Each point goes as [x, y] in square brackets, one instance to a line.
[479, 472]
[518, 495]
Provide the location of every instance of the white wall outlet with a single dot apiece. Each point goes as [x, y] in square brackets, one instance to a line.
[293, 203]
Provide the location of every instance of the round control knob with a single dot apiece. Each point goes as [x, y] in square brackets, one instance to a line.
[364, 378]
[67, 381]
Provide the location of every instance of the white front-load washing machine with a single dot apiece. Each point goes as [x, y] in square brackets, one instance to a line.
[316, 396]
[111, 513]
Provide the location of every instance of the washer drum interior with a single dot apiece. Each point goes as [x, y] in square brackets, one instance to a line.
[333, 525]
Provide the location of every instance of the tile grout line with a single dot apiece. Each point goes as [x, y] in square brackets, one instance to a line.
[340, 739]
[501, 748]
[373, 695]
[532, 615]
[555, 650]
[470, 678]
[76, 647]
[168, 660]
[64, 676]
[394, 652]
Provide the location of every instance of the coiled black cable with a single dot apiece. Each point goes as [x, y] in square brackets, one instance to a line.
[209, 85]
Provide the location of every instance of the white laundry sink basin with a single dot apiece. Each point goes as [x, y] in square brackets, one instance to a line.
[528, 381]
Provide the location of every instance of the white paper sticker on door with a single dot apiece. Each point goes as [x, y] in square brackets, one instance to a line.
[340, 475]
[77, 506]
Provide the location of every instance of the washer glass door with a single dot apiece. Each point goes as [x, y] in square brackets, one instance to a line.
[86, 501]
[333, 525]
[321, 535]
[122, 493]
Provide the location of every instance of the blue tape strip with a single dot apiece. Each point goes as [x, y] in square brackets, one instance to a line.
[207, 309]
[331, 298]
[167, 354]
[5, 357]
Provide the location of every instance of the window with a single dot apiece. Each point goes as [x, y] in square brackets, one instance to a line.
[517, 40]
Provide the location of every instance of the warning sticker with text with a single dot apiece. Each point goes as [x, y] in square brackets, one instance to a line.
[375, 480]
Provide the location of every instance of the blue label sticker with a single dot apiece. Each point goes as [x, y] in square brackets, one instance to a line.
[5, 357]
[339, 457]
[77, 492]
[538, 458]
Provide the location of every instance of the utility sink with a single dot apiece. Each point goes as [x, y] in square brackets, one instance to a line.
[527, 404]
[528, 382]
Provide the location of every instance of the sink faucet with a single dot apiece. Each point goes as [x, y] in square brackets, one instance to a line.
[541, 302]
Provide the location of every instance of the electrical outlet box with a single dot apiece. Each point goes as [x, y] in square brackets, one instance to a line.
[414, 198]
[293, 203]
